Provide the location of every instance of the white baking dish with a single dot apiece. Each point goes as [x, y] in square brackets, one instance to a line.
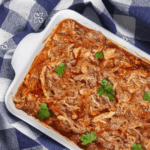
[27, 50]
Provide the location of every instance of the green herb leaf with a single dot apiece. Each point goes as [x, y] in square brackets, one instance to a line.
[136, 147]
[100, 91]
[106, 88]
[62, 65]
[99, 54]
[147, 96]
[59, 69]
[110, 95]
[88, 138]
[43, 106]
[104, 82]
[43, 112]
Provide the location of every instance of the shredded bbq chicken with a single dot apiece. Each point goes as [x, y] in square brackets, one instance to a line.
[72, 99]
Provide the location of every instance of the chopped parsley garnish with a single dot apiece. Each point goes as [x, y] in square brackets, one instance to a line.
[43, 112]
[88, 138]
[136, 147]
[99, 54]
[147, 96]
[59, 69]
[106, 88]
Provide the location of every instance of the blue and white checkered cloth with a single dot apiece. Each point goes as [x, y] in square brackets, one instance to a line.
[128, 19]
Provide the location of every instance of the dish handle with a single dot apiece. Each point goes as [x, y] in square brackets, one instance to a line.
[25, 51]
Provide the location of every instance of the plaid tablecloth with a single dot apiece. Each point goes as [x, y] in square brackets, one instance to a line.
[128, 19]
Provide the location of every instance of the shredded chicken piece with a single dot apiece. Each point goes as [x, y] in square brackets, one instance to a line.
[73, 126]
[76, 51]
[109, 53]
[103, 116]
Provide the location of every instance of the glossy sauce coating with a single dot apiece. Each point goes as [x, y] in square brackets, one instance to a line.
[72, 99]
